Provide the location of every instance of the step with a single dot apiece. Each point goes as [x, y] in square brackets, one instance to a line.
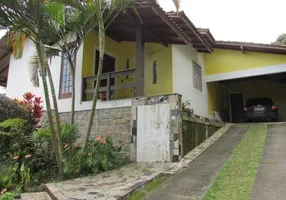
[35, 196]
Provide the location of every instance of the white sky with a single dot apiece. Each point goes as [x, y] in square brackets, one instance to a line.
[260, 21]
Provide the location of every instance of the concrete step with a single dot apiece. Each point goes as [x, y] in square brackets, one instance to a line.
[35, 196]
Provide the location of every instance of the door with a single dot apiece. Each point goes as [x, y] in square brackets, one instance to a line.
[108, 66]
[236, 106]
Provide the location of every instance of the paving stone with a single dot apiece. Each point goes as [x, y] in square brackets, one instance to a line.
[35, 196]
[110, 185]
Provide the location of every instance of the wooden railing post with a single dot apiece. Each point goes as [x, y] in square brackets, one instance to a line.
[108, 86]
[84, 87]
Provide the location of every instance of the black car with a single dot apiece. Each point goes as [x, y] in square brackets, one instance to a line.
[260, 109]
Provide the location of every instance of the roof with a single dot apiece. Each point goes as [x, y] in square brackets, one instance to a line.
[252, 47]
[174, 28]
[159, 26]
[5, 52]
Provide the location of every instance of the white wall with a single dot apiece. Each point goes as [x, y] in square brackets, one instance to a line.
[153, 133]
[19, 81]
[183, 55]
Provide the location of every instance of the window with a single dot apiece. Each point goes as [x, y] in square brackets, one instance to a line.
[197, 77]
[155, 72]
[66, 79]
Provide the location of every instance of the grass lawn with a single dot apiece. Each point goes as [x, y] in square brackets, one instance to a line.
[235, 180]
[149, 188]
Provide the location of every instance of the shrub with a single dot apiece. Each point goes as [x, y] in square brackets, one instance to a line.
[41, 149]
[13, 137]
[9, 109]
[33, 104]
[99, 156]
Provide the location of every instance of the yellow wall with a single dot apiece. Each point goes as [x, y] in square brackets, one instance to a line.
[253, 89]
[215, 97]
[125, 50]
[222, 61]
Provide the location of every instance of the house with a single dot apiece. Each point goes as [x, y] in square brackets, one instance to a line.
[160, 53]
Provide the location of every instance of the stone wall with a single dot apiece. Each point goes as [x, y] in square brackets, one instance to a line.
[114, 121]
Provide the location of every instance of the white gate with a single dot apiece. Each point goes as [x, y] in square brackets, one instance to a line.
[153, 133]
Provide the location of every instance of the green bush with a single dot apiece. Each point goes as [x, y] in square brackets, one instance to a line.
[41, 149]
[70, 134]
[13, 138]
[99, 156]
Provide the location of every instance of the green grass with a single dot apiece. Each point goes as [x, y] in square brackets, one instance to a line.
[235, 180]
[149, 188]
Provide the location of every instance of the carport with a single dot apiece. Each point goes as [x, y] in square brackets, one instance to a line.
[238, 91]
[237, 71]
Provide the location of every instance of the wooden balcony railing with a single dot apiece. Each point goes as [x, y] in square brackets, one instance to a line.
[108, 83]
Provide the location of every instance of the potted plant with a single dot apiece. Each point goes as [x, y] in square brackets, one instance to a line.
[102, 96]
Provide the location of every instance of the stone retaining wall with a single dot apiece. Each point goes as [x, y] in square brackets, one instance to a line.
[114, 121]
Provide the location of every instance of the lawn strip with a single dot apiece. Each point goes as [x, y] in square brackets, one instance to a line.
[236, 178]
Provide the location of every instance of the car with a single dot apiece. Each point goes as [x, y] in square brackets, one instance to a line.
[260, 109]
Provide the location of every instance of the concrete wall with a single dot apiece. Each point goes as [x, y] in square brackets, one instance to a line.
[115, 122]
[183, 57]
[153, 133]
[167, 129]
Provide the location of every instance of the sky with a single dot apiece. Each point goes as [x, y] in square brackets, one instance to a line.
[259, 21]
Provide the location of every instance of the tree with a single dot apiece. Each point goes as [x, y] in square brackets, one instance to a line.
[35, 19]
[177, 4]
[280, 40]
[76, 24]
[105, 13]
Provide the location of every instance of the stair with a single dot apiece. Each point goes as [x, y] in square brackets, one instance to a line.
[35, 196]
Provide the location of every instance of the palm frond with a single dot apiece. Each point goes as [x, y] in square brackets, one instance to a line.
[34, 68]
[17, 40]
[177, 4]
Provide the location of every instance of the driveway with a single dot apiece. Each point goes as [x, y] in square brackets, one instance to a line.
[268, 183]
[193, 182]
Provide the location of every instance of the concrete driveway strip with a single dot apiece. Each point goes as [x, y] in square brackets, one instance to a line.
[270, 182]
[193, 182]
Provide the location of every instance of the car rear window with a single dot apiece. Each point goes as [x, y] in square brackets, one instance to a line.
[259, 101]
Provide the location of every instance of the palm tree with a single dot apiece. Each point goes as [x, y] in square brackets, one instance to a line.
[177, 4]
[35, 19]
[105, 13]
[76, 24]
[109, 8]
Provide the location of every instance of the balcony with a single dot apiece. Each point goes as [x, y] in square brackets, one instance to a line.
[109, 86]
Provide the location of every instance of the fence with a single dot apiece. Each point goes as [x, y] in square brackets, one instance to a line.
[196, 130]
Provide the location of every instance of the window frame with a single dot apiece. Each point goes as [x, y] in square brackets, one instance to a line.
[64, 95]
[197, 77]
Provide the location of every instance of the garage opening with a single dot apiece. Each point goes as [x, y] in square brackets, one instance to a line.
[236, 93]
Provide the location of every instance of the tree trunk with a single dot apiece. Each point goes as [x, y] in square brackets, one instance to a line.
[56, 112]
[72, 72]
[42, 61]
[101, 38]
